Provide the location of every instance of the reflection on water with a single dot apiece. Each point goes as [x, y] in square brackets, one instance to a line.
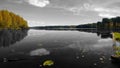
[105, 35]
[39, 52]
[58, 49]
[8, 37]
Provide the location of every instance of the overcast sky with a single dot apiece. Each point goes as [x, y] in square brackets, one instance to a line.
[62, 12]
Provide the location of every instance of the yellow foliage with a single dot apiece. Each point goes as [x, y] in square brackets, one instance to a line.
[9, 20]
[116, 36]
[48, 63]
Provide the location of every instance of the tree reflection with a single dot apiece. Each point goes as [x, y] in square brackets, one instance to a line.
[8, 37]
[102, 34]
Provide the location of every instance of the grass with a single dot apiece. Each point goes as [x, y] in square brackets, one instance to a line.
[117, 36]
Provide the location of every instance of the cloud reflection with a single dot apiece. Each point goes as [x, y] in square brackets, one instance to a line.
[39, 52]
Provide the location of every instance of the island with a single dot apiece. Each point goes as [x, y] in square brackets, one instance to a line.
[10, 20]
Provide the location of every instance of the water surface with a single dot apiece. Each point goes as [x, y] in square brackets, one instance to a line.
[67, 49]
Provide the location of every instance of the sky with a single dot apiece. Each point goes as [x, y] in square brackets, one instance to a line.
[62, 12]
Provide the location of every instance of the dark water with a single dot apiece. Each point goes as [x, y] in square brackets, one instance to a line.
[67, 49]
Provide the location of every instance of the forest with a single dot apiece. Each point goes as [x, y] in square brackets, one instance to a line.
[93, 25]
[105, 24]
[9, 20]
[109, 24]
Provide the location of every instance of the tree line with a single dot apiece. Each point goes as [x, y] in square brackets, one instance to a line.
[93, 25]
[105, 24]
[9, 20]
[109, 24]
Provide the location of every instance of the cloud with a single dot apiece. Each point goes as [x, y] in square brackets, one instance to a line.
[104, 40]
[106, 15]
[101, 11]
[107, 12]
[15, 1]
[39, 3]
[102, 8]
[79, 11]
[103, 43]
[76, 9]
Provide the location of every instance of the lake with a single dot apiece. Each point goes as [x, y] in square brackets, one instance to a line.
[64, 48]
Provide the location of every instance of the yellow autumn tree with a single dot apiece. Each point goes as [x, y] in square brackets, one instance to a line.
[9, 20]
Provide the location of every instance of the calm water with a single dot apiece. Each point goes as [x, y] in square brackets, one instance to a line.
[68, 49]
